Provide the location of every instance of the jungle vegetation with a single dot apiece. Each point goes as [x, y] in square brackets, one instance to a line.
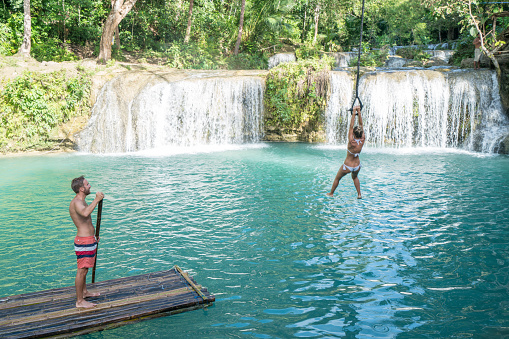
[216, 34]
[233, 34]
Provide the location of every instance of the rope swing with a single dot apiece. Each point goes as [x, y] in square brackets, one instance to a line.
[358, 65]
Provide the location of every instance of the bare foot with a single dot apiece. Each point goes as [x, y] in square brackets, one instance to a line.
[87, 294]
[359, 197]
[329, 194]
[84, 304]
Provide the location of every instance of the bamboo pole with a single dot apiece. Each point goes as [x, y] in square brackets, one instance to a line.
[97, 229]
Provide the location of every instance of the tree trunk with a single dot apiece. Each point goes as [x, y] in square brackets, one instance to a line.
[116, 36]
[317, 17]
[241, 26]
[26, 45]
[450, 34]
[119, 10]
[189, 21]
[303, 34]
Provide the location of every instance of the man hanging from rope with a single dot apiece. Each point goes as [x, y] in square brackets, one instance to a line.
[352, 164]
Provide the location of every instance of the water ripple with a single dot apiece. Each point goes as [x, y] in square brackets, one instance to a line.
[255, 227]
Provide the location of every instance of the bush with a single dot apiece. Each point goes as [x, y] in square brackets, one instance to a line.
[464, 49]
[10, 34]
[192, 56]
[422, 56]
[296, 93]
[247, 61]
[51, 50]
[308, 51]
[408, 52]
[370, 58]
[5, 45]
[33, 104]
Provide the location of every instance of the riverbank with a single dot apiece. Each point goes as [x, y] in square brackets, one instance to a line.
[61, 138]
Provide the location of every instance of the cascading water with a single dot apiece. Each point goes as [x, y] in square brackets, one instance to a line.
[280, 58]
[186, 112]
[336, 114]
[427, 108]
[424, 108]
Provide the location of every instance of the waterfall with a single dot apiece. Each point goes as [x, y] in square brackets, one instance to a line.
[342, 58]
[336, 114]
[187, 112]
[280, 58]
[425, 108]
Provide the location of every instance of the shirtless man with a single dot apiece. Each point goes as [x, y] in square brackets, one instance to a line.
[85, 243]
[352, 164]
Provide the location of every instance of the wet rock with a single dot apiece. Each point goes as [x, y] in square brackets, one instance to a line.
[396, 61]
[435, 61]
[273, 133]
[503, 147]
[414, 63]
[467, 63]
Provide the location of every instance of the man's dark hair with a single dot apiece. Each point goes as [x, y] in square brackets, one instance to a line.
[358, 131]
[77, 183]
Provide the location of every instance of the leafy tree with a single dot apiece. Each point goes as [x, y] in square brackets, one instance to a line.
[474, 18]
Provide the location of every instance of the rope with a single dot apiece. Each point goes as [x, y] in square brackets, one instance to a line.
[358, 65]
[195, 288]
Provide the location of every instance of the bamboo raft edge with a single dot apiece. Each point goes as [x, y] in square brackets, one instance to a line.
[157, 294]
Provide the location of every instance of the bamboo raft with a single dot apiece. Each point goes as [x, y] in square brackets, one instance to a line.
[54, 313]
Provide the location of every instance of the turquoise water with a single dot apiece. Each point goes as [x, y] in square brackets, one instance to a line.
[424, 255]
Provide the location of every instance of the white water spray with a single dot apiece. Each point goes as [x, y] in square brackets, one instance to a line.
[336, 114]
[281, 58]
[204, 111]
[422, 108]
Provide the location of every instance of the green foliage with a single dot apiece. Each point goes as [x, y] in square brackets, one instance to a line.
[296, 93]
[6, 47]
[11, 34]
[51, 50]
[159, 26]
[420, 33]
[464, 49]
[192, 56]
[33, 104]
[408, 52]
[247, 61]
[370, 58]
[422, 56]
[308, 51]
[202, 56]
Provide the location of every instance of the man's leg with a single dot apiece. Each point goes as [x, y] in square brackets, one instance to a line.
[80, 283]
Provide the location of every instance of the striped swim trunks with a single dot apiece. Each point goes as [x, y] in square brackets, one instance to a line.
[86, 248]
